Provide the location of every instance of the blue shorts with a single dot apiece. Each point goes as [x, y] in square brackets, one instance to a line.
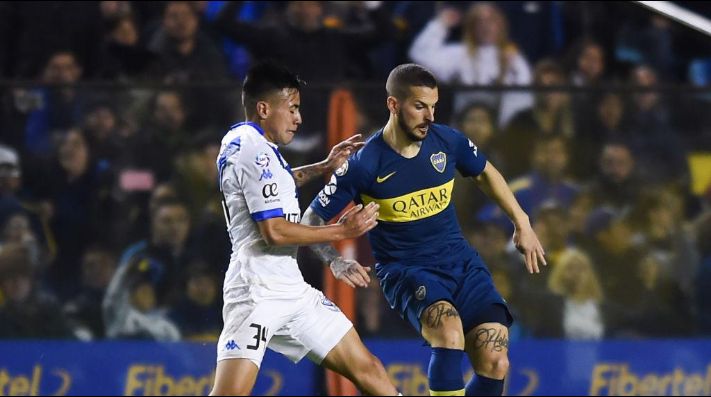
[465, 283]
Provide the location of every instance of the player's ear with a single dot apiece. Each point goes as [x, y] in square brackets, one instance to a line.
[393, 104]
[263, 109]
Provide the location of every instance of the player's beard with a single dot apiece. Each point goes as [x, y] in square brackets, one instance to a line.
[409, 132]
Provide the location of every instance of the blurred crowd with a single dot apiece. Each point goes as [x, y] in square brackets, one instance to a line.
[111, 115]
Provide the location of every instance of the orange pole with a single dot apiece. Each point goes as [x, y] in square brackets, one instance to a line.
[341, 125]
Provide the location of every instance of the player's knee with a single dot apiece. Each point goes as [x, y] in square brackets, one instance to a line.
[501, 366]
[495, 367]
[371, 366]
[447, 337]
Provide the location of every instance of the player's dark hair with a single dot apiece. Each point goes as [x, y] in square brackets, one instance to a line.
[265, 78]
[408, 75]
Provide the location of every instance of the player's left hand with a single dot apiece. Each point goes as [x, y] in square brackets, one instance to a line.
[350, 272]
[527, 243]
[340, 153]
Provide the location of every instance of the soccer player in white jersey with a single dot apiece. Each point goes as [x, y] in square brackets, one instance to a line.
[267, 303]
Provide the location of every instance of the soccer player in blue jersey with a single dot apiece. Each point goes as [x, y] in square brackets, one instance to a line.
[427, 270]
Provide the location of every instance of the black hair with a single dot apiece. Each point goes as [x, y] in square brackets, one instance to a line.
[264, 79]
[408, 75]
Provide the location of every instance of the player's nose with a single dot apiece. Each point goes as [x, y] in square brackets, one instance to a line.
[429, 116]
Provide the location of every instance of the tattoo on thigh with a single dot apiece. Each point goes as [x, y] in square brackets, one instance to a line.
[491, 338]
[436, 312]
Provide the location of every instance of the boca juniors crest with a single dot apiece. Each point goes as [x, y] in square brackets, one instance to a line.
[439, 161]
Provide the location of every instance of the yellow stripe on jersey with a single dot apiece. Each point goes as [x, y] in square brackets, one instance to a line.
[447, 393]
[413, 206]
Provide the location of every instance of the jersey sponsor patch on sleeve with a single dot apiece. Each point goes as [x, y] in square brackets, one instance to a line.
[475, 149]
[324, 197]
[262, 160]
[342, 170]
[331, 186]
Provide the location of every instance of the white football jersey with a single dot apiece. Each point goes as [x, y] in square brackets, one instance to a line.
[257, 184]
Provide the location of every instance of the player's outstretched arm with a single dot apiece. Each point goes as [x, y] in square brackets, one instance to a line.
[347, 270]
[338, 155]
[493, 184]
[357, 221]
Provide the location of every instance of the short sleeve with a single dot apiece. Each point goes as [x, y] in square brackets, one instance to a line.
[470, 160]
[254, 169]
[343, 187]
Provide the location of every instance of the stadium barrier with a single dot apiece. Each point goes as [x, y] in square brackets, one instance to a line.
[538, 367]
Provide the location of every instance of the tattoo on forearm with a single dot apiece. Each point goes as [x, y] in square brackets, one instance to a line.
[325, 252]
[491, 338]
[305, 174]
[435, 313]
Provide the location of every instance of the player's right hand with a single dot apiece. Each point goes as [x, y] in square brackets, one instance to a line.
[359, 220]
[350, 272]
[527, 243]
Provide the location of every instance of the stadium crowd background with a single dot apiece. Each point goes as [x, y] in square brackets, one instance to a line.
[111, 115]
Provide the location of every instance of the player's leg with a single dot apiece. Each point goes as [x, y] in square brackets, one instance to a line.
[441, 327]
[486, 320]
[324, 334]
[352, 359]
[487, 346]
[243, 342]
[423, 295]
[234, 377]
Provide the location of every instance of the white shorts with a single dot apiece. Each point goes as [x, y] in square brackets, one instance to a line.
[309, 325]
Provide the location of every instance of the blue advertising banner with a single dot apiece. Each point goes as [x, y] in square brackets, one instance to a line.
[652, 367]
[610, 368]
[134, 369]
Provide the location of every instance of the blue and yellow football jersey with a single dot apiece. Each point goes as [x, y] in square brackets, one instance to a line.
[417, 221]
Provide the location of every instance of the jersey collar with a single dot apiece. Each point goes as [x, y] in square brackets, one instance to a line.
[251, 124]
